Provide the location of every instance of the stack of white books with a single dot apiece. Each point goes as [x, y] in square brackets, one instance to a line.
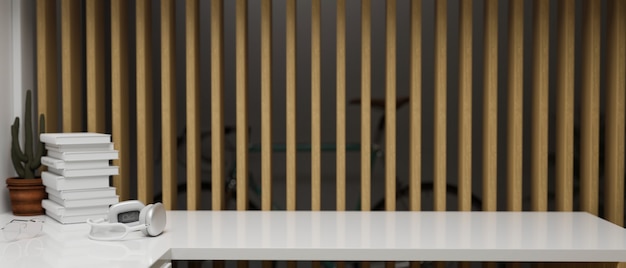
[77, 180]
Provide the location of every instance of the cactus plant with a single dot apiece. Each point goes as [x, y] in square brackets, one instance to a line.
[28, 161]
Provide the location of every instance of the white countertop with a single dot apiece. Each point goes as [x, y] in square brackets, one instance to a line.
[348, 236]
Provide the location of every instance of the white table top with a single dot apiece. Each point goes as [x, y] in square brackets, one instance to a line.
[348, 236]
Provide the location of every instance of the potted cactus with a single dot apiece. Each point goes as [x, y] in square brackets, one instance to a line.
[26, 191]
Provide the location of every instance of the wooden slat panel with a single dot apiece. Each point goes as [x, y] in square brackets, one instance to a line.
[266, 104]
[441, 87]
[193, 112]
[615, 112]
[415, 157]
[47, 88]
[515, 105]
[465, 105]
[490, 107]
[95, 66]
[390, 109]
[217, 103]
[241, 35]
[316, 109]
[119, 94]
[590, 108]
[291, 103]
[71, 35]
[565, 107]
[366, 96]
[341, 105]
[145, 173]
[539, 133]
[168, 105]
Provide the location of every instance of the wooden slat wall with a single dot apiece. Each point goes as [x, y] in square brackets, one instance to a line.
[119, 95]
[565, 107]
[75, 113]
[341, 106]
[241, 55]
[441, 78]
[615, 111]
[490, 106]
[465, 105]
[145, 161]
[515, 105]
[193, 104]
[590, 108]
[168, 106]
[540, 102]
[96, 105]
[71, 59]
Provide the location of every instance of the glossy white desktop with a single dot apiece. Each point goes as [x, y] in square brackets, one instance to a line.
[348, 236]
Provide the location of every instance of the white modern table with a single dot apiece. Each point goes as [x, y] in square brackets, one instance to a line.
[331, 236]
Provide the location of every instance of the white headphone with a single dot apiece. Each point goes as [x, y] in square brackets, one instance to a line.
[126, 217]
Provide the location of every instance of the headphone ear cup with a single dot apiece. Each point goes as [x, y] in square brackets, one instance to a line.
[142, 219]
[153, 218]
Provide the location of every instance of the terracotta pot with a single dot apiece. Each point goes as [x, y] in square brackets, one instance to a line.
[26, 196]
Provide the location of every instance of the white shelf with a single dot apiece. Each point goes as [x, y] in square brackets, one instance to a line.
[348, 236]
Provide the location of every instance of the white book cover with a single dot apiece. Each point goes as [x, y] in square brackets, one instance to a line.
[61, 164]
[73, 219]
[74, 138]
[82, 193]
[57, 209]
[60, 183]
[88, 172]
[84, 156]
[85, 202]
[80, 147]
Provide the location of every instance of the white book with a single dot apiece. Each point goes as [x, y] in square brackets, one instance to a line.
[74, 138]
[80, 147]
[82, 193]
[84, 156]
[61, 164]
[73, 219]
[57, 209]
[60, 183]
[88, 172]
[103, 201]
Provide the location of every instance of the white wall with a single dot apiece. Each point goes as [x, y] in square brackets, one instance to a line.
[17, 70]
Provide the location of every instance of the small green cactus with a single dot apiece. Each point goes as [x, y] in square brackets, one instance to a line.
[28, 161]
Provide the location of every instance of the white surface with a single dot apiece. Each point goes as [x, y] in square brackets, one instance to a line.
[375, 236]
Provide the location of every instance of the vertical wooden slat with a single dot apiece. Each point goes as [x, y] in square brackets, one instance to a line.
[390, 109]
[47, 88]
[441, 77]
[119, 94]
[341, 105]
[145, 161]
[316, 112]
[465, 106]
[366, 96]
[515, 106]
[71, 66]
[565, 107]
[95, 66]
[168, 105]
[590, 108]
[217, 105]
[242, 102]
[615, 112]
[415, 157]
[539, 133]
[266, 104]
[291, 103]
[193, 111]
[490, 106]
